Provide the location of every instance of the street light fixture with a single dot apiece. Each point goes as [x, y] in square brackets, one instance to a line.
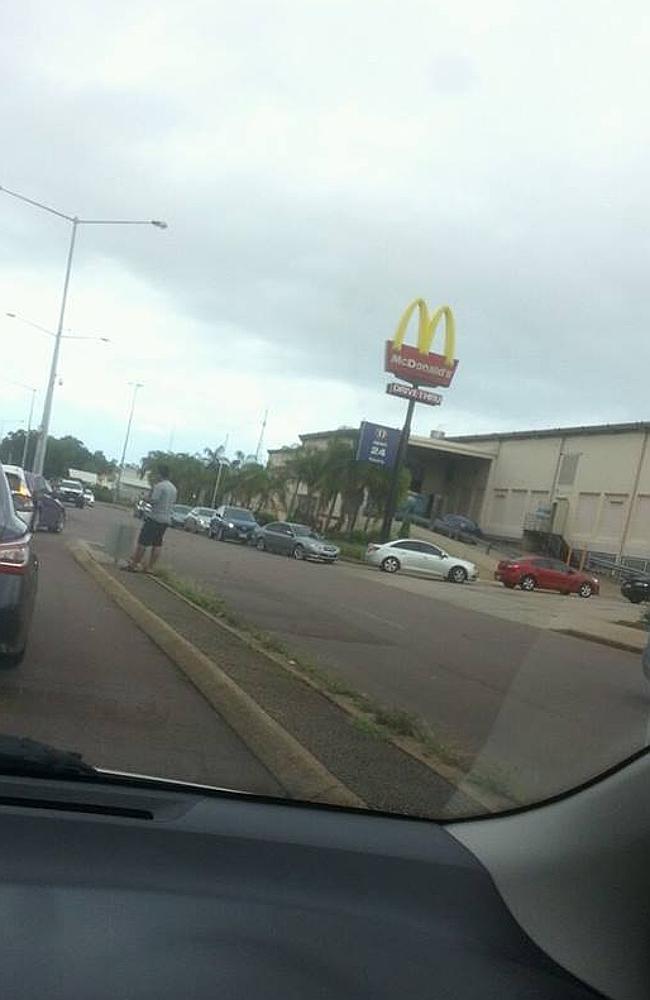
[75, 221]
[118, 481]
[51, 333]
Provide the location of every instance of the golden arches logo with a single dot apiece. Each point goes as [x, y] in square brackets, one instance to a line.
[427, 326]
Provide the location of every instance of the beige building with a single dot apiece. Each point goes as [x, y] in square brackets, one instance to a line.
[589, 485]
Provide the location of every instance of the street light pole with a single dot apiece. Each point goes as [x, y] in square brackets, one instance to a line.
[29, 429]
[118, 481]
[391, 502]
[222, 462]
[41, 444]
[41, 448]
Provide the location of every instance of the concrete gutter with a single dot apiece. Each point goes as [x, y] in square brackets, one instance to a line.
[295, 768]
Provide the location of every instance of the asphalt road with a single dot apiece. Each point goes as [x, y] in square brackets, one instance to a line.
[93, 682]
[538, 710]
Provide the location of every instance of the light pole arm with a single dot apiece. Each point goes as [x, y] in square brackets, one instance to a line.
[39, 457]
[37, 204]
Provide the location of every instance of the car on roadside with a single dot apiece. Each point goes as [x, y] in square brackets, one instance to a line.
[298, 541]
[141, 508]
[198, 520]
[18, 578]
[70, 491]
[50, 512]
[458, 527]
[233, 523]
[544, 573]
[178, 514]
[636, 589]
[411, 555]
[21, 494]
[89, 497]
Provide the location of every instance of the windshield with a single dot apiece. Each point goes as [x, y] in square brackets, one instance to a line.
[304, 530]
[366, 273]
[239, 513]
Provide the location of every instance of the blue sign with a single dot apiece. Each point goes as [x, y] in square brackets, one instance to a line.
[378, 445]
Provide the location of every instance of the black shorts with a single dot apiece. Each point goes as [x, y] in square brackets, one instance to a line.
[151, 533]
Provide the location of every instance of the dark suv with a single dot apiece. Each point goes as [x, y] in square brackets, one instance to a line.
[233, 522]
[636, 589]
[18, 579]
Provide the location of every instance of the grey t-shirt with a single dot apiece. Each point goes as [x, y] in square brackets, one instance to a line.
[163, 498]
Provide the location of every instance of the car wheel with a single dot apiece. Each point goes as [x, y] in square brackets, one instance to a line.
[260, 545]
[299, 552]
[457, 574]
[585, 590]
[390, 564]
[635, 600]
[528, 583]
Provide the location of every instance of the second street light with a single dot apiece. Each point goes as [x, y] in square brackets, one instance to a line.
[28, 388]
[118, 481]
[75, 221]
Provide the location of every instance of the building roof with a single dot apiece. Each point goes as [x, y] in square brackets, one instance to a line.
[340, 432]
[638, 426]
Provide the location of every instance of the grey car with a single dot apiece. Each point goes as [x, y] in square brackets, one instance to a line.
[178, 515]
[296, 540]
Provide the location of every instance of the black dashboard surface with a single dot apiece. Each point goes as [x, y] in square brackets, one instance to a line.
[157, 894]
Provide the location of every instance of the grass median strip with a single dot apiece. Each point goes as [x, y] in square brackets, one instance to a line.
[492, 788]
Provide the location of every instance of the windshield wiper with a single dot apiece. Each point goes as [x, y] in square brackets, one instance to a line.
[20, 755]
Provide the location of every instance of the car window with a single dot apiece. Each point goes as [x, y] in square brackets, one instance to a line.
[14, 481]
[430, 550]
[205, 512]
[239, 513]
[275, 527]
[409, 546]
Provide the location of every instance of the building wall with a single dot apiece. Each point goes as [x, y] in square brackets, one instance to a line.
[597, 485]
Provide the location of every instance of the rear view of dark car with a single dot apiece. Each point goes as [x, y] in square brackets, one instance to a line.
[637, 590]
[18, 579]
[457, 526]
[50, 512]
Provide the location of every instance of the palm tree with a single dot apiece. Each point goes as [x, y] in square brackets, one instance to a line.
[306, 467]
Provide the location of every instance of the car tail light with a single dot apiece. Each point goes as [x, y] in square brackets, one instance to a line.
[372, 547]
[14, 556]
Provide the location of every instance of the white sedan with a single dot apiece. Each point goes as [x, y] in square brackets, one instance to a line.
[414, 556]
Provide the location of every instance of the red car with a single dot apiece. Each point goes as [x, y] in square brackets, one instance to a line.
[540, 572]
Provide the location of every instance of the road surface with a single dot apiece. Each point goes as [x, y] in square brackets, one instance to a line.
[93, 682]
[537, 710]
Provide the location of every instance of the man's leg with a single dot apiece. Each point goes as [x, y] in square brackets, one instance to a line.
[154, 556]
[137, 557]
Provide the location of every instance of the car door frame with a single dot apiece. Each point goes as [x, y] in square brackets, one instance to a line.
[428, 561]
[410, 564]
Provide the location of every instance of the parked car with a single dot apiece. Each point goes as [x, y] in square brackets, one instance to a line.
[544, 573]
[22, 495]
[141, 508]
[637, 589]
[18, 578]
[296, 540]
[89, 497]
[198, 520]
[457, 526]
[70, 491]
[50, 512]
[415, 556]
[179, 513]
[233, 522]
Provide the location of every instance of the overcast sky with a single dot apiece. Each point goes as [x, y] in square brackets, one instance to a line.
[320, 164]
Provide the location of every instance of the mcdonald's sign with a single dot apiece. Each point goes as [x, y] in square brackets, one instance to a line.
[419, 365]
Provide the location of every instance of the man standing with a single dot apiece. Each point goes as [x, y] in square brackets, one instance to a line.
[163, 498]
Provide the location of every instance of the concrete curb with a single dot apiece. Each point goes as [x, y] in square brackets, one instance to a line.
[487, 801]
[602, 640]
[295, 768]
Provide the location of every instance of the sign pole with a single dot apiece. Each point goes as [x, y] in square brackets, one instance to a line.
[391, 503]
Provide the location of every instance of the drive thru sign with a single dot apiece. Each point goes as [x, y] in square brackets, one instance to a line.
[412, 392]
